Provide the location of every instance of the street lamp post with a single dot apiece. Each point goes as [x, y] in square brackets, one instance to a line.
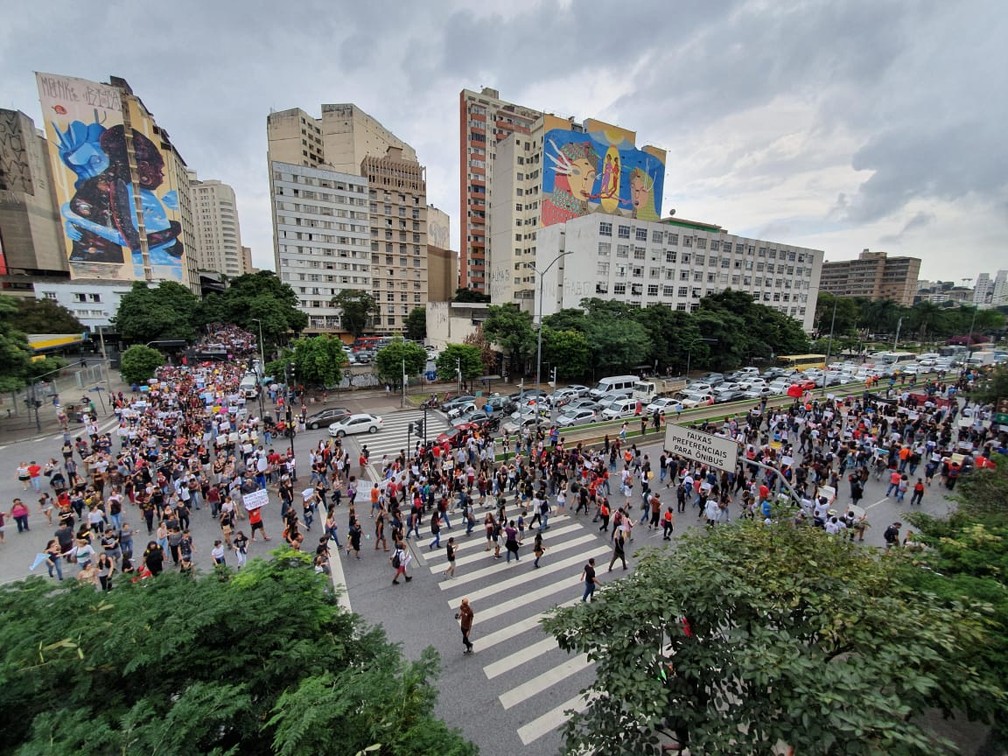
[829, 344]
[541, 274]
[262, 366]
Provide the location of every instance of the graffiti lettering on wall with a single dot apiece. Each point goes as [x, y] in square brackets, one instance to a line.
[594, 172]
[100, 171]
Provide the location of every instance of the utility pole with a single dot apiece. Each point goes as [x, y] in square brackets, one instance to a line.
[458, 373]
[899, 325]
[402, 402]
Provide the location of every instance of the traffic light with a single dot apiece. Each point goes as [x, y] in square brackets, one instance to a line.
[291, 372]
[418, 426]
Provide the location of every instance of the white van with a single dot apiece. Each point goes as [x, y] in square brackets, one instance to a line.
[249, 386]
[613, 383]
[620, 408]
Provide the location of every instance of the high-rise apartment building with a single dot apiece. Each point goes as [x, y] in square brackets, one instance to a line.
[339, 140]
[247, 265]
[559, 171]
[397, 193]
[442, 260]
[874, 276]
[673, 262]
[321, 237]
[348, 148]
[31, 238]
[218, 233]
[991, 292]
[484, 120]
[121, 185]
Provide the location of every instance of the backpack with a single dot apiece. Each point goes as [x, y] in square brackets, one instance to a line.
[395, 559]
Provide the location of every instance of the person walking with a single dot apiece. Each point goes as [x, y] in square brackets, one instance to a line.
[399, 560]
[450, 553]
[19, 511]
[668, 523]
[918, 493]
[465, 617]
[511, 541]
[604, 514]
[619, 550]
[590, 581]
[435, 529]
[537, 548]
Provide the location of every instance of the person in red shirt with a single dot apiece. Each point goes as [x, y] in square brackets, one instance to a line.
[256, 521]
[35, 475]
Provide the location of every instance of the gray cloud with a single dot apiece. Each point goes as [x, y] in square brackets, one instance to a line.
[823, 123]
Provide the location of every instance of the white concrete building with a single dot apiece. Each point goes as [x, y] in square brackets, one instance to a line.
[218, 233]
[93, 302]
[321, 237]
[991, 293]
[672, 262]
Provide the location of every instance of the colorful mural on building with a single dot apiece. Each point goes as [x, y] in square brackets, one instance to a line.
[597, 172]
[108, 233]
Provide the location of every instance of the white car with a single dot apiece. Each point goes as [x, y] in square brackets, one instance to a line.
[576, 417]
[462, 409]
[664, 404]
[698, 399]
[361, 423]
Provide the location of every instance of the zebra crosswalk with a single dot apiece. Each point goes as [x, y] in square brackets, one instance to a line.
[395, 436]
[536, 682]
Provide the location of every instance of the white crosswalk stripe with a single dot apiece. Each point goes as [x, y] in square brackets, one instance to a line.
[532, 674]
[395, 429]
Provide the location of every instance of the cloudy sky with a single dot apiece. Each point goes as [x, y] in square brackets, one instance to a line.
[835, 125]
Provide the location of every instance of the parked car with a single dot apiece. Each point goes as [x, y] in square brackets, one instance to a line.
[583, 403]
[582, 391]
[577, 417]
[700, 387]
[501, 404]
[455, 401]
[562, 396]
[461, 409]
[515, 425]
[731, 395]
[326, 417]
[361, 423]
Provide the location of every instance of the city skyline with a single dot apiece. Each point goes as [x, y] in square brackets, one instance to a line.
[837, 128]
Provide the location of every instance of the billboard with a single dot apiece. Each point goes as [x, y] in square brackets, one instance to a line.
[599, 171]
[115, 202]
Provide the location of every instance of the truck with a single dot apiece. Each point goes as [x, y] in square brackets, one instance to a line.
[650, 389]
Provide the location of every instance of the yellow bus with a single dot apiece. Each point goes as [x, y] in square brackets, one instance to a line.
[802, 362]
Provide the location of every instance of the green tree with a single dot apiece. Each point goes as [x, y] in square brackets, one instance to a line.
[847, 313]
[319, 360]
[139, 363]
[44, 367]
[390, 361]
[223, 663]
[148, 313]
[488, 356]
[724, 340]
[880, 316]
[665, 327]
[569, 319]
[45, 316]
[357, 308]
[464, 356]
[15, 353]
[966, 556]
[416, 324]
[568, 351]
[617, 344]
[511, 328]
[472, 296]
[793, 636]
[261, 297]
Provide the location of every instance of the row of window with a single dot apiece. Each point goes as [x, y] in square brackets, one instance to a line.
[672, 238]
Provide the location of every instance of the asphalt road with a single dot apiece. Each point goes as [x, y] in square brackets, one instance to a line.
[517, 682]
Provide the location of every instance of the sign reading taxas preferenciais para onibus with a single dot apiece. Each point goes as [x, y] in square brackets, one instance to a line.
[715, 451]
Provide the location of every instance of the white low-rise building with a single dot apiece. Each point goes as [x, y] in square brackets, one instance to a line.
[94, 303]
[673, 262]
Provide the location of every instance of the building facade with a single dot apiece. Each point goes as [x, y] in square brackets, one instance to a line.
[101, 136]
[990, 292]
[31, 240]
[874, 276]
[218, 232]
[321, 237]
[442, 260]
[397, 193]
[559, 171]
[484, 120]
[339, 140]
[671, 262]
[93, 303]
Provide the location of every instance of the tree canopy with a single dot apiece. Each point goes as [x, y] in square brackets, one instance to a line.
[464, 356]
[511, 328]
[751, 635]
[391, 359]
[261, 661]
[318, 360]
[148, 313]
[465, 294]
[357, 308]
[15, 353]
[416, 324]
[140, 362]
[45, 316]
